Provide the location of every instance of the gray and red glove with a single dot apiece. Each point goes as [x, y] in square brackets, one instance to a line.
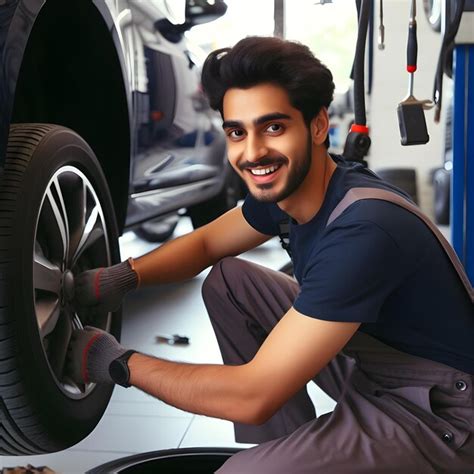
[90, 353]
[103, 289]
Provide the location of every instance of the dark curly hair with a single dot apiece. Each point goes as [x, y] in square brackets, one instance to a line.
[255, 60]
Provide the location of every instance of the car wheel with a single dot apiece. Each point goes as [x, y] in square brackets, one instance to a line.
[170, 461]
[205, 212]
[57, 220]
[158, 230]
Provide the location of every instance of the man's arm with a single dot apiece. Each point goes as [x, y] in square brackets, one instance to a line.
[180, 259]
[294, 352]
[186, 256]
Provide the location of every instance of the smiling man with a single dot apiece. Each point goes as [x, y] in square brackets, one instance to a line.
[274, 151]
[377, 315]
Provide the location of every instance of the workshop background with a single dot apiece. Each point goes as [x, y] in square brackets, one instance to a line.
[135, 422]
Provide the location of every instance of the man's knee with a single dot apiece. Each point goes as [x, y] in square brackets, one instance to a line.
[236, 464]
[222, 277]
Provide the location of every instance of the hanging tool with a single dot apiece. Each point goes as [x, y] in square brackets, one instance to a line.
[381, 42]
[411, 117]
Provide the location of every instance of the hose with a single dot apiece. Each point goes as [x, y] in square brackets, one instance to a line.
[359, 62]
[447, 46]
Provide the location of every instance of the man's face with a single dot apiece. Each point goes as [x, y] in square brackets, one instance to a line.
[268, 142]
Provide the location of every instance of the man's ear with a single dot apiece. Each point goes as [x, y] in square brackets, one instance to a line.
[320, 127]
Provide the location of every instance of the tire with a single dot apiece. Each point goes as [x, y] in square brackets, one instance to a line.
[57, 220]
[170, 461]
[442, 195]
[158, 230]
[403, 178]
[205, 212]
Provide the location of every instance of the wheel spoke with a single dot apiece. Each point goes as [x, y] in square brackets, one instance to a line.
[77, 210]
[93, 231]
[46, 275]
[47, 315]
[60, 218]
[76, 322]
[62, 338]
[65, 217]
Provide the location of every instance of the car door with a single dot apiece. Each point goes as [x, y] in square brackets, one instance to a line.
[179, 149]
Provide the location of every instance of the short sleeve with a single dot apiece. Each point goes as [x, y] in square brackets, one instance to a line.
[262, 216]
[351, 274]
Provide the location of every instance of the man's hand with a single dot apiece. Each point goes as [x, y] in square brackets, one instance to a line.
[103, 289]
[90, 353]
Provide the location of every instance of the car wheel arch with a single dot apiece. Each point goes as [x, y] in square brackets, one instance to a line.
[83, 92]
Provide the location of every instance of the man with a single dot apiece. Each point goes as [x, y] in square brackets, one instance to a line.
[378, 317]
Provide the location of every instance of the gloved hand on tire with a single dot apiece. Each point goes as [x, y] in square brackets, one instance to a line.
[103, 289]
[90, 353]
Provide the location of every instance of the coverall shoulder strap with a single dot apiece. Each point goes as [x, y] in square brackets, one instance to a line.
[357, 194]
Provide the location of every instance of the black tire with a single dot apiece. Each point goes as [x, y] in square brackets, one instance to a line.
[403, 178]
[158, 230]
[205, 212]
[170, 461]
[53, 197]
[442, 195]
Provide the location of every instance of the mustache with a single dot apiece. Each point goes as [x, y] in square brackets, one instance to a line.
[265, 161]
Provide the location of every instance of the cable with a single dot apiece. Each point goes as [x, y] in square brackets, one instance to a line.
[359, 64]
[357, 142]
[447, 46]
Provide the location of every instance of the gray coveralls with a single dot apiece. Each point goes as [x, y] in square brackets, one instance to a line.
[395, 413]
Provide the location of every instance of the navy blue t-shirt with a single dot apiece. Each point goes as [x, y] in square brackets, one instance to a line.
[380, 265]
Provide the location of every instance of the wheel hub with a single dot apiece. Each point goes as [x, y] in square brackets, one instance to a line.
[67, 286]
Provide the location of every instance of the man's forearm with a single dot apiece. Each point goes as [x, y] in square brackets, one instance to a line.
[218, 391]
[177, 260]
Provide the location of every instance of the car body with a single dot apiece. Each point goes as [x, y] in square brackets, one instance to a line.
[104, 69]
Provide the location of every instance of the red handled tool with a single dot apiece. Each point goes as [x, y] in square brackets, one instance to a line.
[411, 116]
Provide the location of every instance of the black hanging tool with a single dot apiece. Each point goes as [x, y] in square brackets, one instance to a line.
[411, 117]
[381, 40]
[358, 141]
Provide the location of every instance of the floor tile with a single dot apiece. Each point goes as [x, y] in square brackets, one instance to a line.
[211, 432]
[135, 434]
[168, 310]
[323, 403]
[144, 408]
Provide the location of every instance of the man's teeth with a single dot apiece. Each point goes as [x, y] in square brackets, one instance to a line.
[263, 171]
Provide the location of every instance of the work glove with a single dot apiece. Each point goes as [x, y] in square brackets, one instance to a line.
[90, 353]
[103, 289]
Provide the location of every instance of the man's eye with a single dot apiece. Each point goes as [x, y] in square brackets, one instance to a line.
[275, 127]
[235, 134]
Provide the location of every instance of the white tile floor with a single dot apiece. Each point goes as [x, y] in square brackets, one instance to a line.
[135, 422]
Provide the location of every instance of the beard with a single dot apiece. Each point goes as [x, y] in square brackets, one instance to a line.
[295, 177]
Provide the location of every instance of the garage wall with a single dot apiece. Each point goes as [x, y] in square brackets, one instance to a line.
[391, 86]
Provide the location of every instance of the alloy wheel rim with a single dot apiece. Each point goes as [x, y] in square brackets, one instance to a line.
[70, 237]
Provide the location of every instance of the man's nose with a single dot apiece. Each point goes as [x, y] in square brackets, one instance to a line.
[255, 148]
